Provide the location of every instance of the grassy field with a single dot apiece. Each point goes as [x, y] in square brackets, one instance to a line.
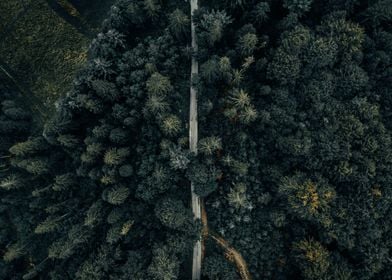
[42, 49]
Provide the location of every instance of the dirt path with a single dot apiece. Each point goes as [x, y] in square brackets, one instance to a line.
[231, 253]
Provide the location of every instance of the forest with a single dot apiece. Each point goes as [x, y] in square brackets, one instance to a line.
[203, 140]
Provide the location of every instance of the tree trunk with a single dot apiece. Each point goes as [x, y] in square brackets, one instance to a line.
[193, 137]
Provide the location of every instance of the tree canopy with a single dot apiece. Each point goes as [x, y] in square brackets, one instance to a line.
[294, 162]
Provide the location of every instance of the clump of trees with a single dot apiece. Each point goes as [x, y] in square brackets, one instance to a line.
[293, 166]
[302, 191]
[15, 122]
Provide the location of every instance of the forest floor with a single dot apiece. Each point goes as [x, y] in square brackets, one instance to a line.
[42, 48]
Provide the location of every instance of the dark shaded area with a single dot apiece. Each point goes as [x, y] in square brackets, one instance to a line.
[93, 12]
[75, 21]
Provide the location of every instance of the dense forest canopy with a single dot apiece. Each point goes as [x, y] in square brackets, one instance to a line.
[294, 162]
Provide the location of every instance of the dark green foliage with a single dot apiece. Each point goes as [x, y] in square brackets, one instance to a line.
[210, 145]
[216, 267]
[179, 159]
[260, 13]
[158, 85]
[31, 170]
[312, 258]
[211, 26]
[299, 177]
[294, 155]
[115, 156]
[104, 215]
[64, 182]
[204, 178]
[297, 6]
[15, 123]
[116, 195]
[179, 23]
[171, 213]
[164, 266]
[126, 170]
